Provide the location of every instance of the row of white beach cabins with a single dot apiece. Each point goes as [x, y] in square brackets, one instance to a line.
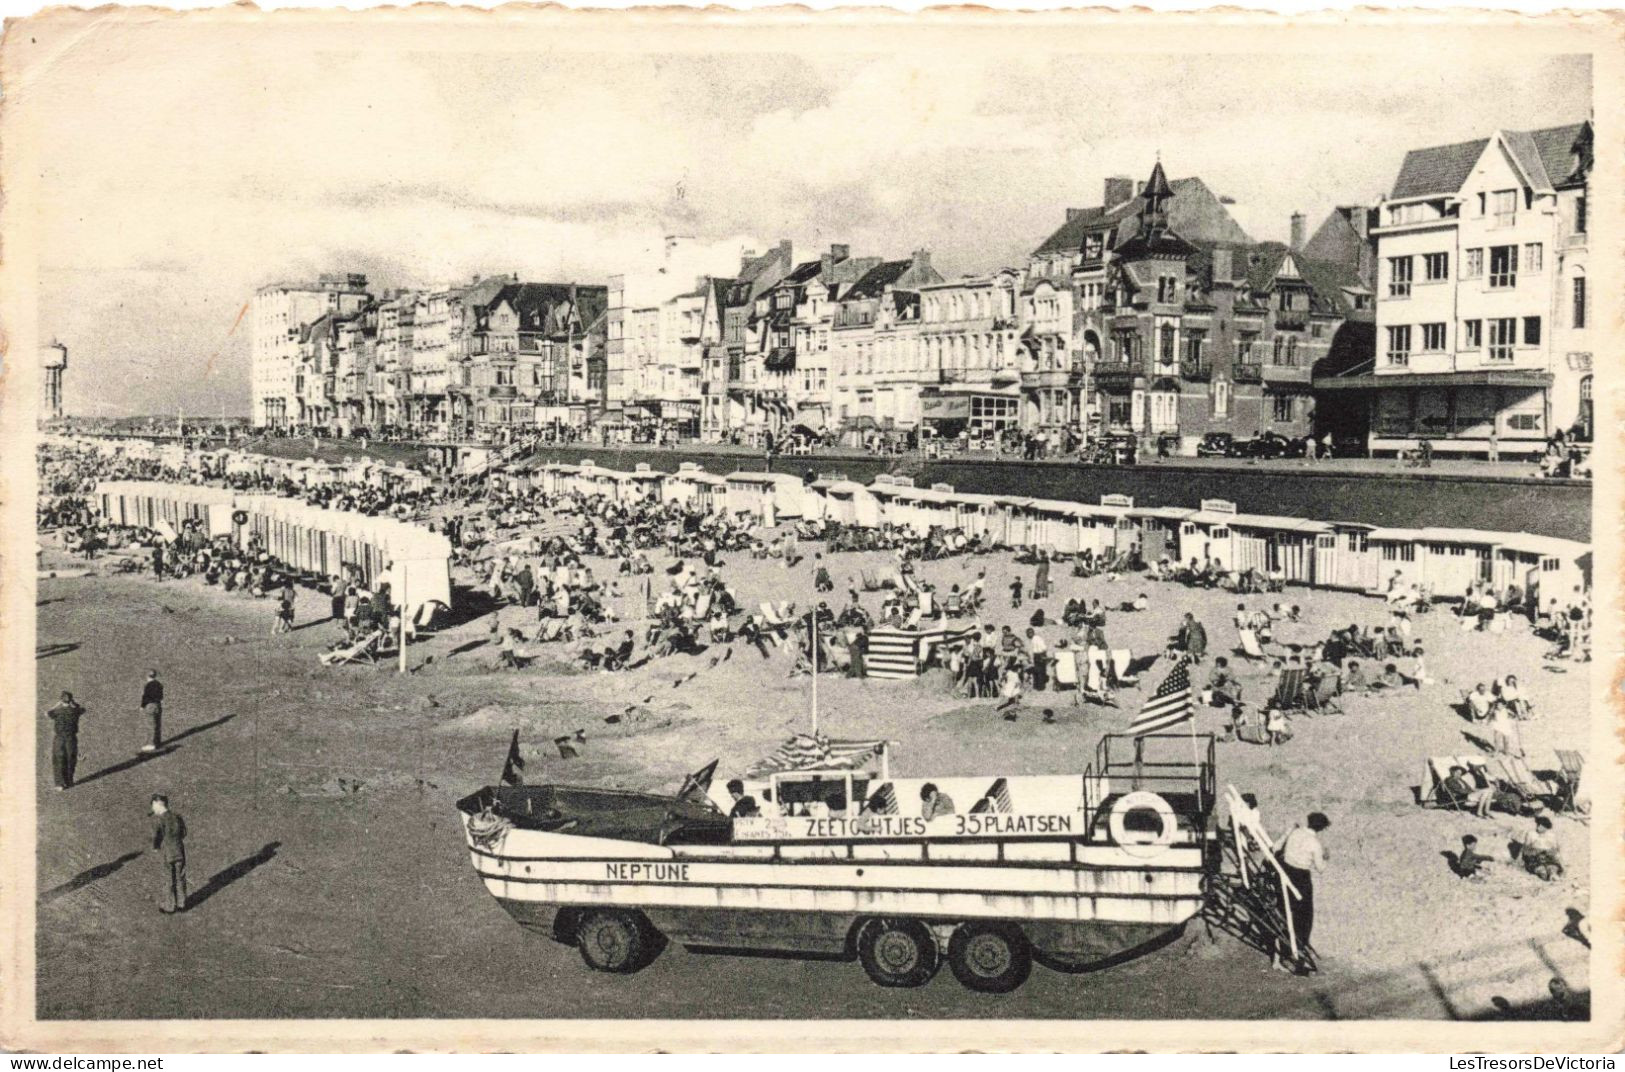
[1326, 554]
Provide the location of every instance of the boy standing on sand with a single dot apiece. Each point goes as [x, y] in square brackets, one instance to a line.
[169, 841]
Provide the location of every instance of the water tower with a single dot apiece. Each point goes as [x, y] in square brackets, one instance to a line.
[53, 363]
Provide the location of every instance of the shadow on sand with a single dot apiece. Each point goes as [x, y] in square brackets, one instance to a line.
[85, 878]
[231, 874]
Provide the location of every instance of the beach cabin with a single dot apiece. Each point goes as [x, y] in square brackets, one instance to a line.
[1452, 560]
[1055, 525]
[1276, 545]
[1543, 568]
[1206, 534]
[693, 486]
[594, 479]
[847, 502]
[1399, 551]
[1344, 557]
[765, 497]
[987, 516]
[1157, 528]
[641, 483]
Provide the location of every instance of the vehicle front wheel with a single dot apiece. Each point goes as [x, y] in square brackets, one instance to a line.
[898, 952]
[994, 958]
[616, 941]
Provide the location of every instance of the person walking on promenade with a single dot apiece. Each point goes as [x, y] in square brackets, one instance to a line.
[152, 703]
[169, 841]
[284, 616]
[64, 716]
[1301, 855]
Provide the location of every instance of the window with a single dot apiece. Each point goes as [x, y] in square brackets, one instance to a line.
[1579, 301]
[1280, 349]
[1472, 334]
[1221, 398]
[1481, 197]
[1093, 246]
[1165, 337]
[1433, 337]
[1473, 266]
[1503, 335]
[1399, 345]
[1281, 408]
[1503, 266]
[1533, 256]
[1580, 215]
[1119, 411]
[1193, 346]
[1531, 331]
[1399, 277]
[1504, 206]
[1435, 267]
[1523, 422]
[1244, 347]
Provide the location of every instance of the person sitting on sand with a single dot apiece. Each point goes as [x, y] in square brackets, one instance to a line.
[1542, 854]
[1354, 681]
[1469, 863]
[1480, 702]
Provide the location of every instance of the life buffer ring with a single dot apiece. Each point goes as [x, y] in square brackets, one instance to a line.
[1136, 801]
[239, 517]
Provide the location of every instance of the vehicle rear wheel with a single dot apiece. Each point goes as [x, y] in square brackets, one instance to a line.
[898, 952]
[612, 940]
[994, 958]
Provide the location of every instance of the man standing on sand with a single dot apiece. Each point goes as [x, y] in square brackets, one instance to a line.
[64, 717]
[152, 703]
[169, 841]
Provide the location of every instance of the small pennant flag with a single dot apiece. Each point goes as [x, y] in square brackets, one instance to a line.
[513, 770]
[1169, 705]
[698, 784]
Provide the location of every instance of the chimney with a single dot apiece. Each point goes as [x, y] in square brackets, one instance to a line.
[1139, 187]
[745, 258]
[922, 258]
[1119, 188]
[784, 250]
[1223, 272]
[1297, 230]
[840, 252]
[1073, 213]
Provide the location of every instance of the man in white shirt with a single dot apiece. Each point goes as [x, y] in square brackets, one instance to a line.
[1302, 855]
[1038, 651]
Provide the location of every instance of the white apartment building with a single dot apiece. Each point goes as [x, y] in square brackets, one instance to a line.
[970, 337]
[1483, 326]
[277, 315]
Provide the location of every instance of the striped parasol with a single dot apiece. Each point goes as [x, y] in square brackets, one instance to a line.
[807, 751]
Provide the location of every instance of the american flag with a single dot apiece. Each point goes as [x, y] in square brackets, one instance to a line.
[1169, 705]
[809, 750]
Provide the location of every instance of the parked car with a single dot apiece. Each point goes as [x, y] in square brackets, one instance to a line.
[1216, 445]
[1270, 445]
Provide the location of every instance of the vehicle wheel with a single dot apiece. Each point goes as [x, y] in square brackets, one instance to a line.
[898, 952]
[991, 957]
[616, 941]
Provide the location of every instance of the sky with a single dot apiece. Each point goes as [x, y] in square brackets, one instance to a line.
[186, 166]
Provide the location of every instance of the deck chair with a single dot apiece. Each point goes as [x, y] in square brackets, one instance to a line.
[928, 603]
[1289, 692]
[773, 625]
[870, 582]
[364, 650]
[1066, 669]
[1323, 697]
[702, 607]
[1122, 667]
[1250, 647]
[953, 605]
[552, 629]
[1434, 794]
[1573, 763]
[1513, 772]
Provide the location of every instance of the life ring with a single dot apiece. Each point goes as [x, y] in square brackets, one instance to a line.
[1135, 801]
[239, 517]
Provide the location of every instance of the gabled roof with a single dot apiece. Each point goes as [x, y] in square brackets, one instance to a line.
[1194, 211]
[1545, 156]
[1327, 281]
[551, 306]
[804, 272]
[873, 283]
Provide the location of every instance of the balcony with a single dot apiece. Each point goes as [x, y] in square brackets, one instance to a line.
[1291, 320]
[1285, 373]
[500, 391]
[1247, 373]
[1196, 371]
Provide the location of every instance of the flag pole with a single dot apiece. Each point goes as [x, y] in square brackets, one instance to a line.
[812, 621]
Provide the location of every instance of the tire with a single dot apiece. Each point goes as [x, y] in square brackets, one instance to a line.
[616, 941]
[898, 952]
[993, 958]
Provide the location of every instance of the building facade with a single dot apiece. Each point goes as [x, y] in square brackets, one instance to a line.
[278, 315]
[1483, 320]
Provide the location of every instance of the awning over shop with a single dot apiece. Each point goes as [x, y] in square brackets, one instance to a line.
[1531, 378]
[944, 407]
